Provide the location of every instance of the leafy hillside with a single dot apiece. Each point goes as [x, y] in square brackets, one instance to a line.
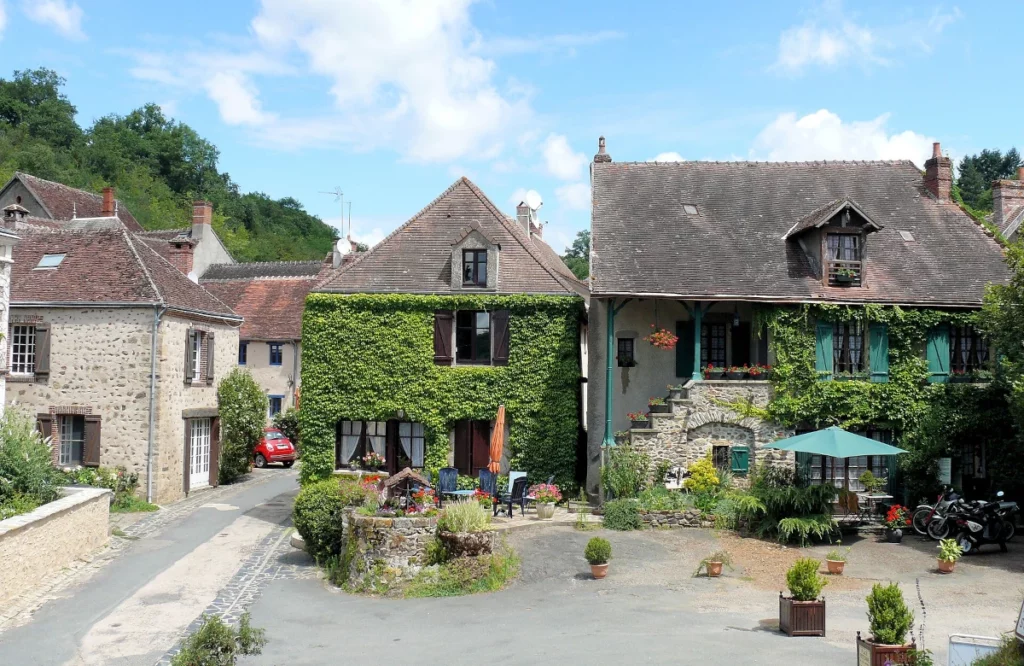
[158, 166]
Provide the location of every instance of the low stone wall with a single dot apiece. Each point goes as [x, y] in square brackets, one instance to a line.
[383, 551]
[688, 518]
[40, 543]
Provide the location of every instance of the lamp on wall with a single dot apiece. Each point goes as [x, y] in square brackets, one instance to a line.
[400, 414]
[736, 316]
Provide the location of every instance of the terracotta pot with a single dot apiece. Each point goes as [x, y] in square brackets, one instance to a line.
[835, 567]
[894, 536]
[714, 569]
[545, 510]
[599, 571]
[946, 567]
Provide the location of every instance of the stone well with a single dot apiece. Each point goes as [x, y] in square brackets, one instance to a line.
[385, 550]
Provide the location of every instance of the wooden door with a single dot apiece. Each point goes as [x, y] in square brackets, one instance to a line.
[481, 445]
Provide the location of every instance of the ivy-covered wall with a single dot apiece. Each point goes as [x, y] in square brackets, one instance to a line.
[366, 356]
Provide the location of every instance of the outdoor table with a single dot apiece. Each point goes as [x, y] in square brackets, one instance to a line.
[871, 499]
[460, 493]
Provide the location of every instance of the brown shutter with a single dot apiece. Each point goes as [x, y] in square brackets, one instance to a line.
[499, 328]
[187, 466]
[44, 424]
[463, 446]
[209, 357]
[443, 337]
[91, 448]
[189, 361]
[214, 451]
[42, 349]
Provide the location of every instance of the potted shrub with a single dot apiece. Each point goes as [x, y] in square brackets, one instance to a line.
[803, 614]
[872, 484]
[598, 552]
[836, 560]
[891, 621]
[713, 563]
[675, 392]
[949, 552]
[659, 406]
[545, 495]
[621, 437]
[897, 518]
[637, 419]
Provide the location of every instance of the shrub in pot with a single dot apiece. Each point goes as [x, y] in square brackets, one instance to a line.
[949, 552]
[598, 552]
[836, 560]
[713, 564]
[890, 621]
[803, 613]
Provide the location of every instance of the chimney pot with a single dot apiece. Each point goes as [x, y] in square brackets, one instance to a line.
[602, 153]
[936, 150]
[108, 202]
[202, 218]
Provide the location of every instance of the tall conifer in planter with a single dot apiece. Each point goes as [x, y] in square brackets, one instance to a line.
[803, 614]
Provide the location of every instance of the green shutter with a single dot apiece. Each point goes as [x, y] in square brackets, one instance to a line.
[740, 460]
[878, 354]
[684, 350]
[823, 349]
[938, 354]
[803, 466]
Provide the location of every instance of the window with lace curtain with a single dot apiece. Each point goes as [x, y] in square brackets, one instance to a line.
[968, 350]
[357, 438]
[848, 348]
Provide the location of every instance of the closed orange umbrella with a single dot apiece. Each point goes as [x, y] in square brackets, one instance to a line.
[497, 441]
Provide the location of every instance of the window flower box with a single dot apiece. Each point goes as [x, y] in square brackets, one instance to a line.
[638, 420]
[737, 372]
[713, 372]
[658, 406]
[851, 376]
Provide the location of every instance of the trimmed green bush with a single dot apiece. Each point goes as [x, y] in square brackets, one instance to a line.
[218, 644]
[622, 515]
[242, 406]
[598, 551]
[804, 581]
[317, 516]
[464, 516]
[888, 614]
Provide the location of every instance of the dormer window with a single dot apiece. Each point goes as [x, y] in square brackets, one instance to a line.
[843, 258]
[474, 268]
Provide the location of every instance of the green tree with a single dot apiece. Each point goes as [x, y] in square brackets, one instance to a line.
[243, 415]
[32, 98]
[976, 173]
[577, 257]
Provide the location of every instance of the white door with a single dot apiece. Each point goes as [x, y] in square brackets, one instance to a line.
[199, 447]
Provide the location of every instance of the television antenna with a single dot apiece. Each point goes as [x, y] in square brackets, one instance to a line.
[339, 196]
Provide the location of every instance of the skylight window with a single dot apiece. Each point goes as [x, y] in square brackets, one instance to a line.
[50, 260]
[689, 209]
[907, 236]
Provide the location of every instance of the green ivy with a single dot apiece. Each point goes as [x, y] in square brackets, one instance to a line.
[366, 356]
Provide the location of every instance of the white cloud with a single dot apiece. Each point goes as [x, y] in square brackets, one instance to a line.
[544, 43]
[236, 98]
[560, 160]
[671, 156]
[823, 135]
[63, 17]
[518, 195]
[575, 196]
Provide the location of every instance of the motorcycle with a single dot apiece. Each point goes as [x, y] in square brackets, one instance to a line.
[924, 513]
[983, 523]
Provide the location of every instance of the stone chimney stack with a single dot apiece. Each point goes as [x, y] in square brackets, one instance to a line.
[524, 216]
[202, 218]
[108, 202]
[602, 155]
[1007, 197]
[938, 174]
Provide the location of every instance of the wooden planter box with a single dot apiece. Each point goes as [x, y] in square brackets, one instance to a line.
[801, 618]
[871, 654]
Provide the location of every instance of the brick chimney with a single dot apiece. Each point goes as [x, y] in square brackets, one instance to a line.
[181, 254]
[938, 174]
[1007, 196]
[108, 202]
[202, 218]
[524, 216]
[602, 155]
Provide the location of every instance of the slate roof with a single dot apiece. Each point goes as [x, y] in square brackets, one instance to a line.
[159, 240]
[104, 267]
[416, 257]
[65, 203]
[733, 248]
[262, 269]
[821, 216]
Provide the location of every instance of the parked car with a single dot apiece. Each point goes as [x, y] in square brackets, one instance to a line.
[275, 447]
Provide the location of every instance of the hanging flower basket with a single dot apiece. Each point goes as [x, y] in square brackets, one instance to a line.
[662, 338]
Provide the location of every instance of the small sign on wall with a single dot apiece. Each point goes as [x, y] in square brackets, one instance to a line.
[945, 471]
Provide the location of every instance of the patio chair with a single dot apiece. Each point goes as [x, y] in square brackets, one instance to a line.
[447, 482]
[517, 495]
[489, 482]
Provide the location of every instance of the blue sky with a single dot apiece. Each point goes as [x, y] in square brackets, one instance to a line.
[392, 101]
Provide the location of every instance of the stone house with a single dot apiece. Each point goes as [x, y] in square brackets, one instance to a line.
[699, 249]
[270, 296]
[117, 354]
[1008, 205]
[192, 249]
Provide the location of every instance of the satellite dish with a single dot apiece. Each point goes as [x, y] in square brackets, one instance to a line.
[193, 276]
[344, 246]
[533, 199]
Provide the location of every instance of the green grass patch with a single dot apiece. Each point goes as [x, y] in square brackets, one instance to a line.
[466, 575]
[1011, 653]
[125, 503]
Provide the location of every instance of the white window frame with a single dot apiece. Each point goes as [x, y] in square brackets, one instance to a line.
[65, 433]
[197, 354]
[23, 349]
[200, 442]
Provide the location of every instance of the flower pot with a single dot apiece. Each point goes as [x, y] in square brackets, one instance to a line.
[660, 409]
[714, 569]
[946, 567]
[599, 571]
[878, 654]
[467, 544]
[736, 375]
[894, 536]
[835, 567]
[675, 394]
[545, 510]
[801, 618]
[640, 425]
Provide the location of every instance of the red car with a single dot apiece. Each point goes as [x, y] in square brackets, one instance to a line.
[275, 447]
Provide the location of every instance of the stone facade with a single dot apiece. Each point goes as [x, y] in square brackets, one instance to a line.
[5, 312]
[386, 549]
[36, 545]
[475, 241]
[275, 379]
[703, 420]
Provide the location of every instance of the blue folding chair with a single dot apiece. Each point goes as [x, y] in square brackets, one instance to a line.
[489, 482]
[447, 483]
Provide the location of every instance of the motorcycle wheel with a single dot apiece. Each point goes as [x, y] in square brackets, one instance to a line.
[1010, 529]
[939, 529]
[965, 544]
[921, 520]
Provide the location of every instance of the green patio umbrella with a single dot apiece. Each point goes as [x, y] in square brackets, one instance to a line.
[835, 442]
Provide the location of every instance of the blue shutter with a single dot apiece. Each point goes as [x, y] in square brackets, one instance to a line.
[740, 460]
[878, 335]
[938, 354]
[823, 349]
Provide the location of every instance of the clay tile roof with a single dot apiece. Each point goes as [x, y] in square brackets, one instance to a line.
[645, 243]
[103, 267]
[272, 307]
[416, 257]
[65, 203]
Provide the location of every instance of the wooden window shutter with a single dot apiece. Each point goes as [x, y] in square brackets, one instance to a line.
[937, 353]
[91, 447]
[42, 349]
[189, 360]
[823, 350]
[878, 352]
[463, 445]
[740, 460]
[209, 357]
[499, 328]
[214, 451]
[187, 458]
[443, 337]
[684, 349]
[44, 424]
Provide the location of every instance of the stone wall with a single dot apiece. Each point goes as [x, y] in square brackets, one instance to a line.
[385, 549]
[688, 518]
[36, 545]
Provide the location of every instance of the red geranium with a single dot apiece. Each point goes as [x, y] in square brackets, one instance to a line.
[662, 338]
[897, 518]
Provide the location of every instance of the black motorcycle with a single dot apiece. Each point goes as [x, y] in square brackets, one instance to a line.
[982, 523]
